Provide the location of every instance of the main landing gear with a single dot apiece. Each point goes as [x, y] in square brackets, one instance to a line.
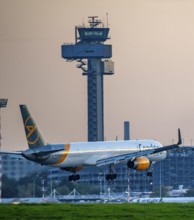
[149, 173]
[74, 177]
[111, 175]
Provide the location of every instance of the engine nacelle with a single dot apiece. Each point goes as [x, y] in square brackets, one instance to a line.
[140, 163]
[72, 169]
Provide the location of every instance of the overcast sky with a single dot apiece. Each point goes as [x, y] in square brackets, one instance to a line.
[153, 84]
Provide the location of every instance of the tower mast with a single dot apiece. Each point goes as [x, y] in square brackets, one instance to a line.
[93, 57]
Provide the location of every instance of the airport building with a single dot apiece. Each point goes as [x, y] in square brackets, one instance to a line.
[176, 170]
[18, 168]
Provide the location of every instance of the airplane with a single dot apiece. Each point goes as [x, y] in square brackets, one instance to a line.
[72, 157]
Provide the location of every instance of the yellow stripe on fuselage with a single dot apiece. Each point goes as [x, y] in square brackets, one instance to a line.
[64, 154]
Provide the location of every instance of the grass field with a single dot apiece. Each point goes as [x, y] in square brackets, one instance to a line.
[99, 211]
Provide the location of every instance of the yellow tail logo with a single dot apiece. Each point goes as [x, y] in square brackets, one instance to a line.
[31, 131]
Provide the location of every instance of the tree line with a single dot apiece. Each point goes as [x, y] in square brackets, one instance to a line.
[32, 186]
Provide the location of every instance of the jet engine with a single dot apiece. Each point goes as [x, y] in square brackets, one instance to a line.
[139, 163]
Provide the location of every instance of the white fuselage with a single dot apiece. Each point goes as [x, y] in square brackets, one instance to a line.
[88, 153]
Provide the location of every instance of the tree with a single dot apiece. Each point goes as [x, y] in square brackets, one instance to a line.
[65, 187]
[189, 193]
[30, 186]
[156, 192]
[9, 187]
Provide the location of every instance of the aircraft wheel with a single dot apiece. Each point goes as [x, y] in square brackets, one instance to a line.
[115, 175]
[111, 176]
[77, 177]
[107, 177]
[149, 174]
[74, 177]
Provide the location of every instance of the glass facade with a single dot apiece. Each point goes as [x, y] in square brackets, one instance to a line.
[177, 169]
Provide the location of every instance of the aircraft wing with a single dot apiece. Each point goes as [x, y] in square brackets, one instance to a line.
[12, 152]
[126, 157]
[122, 158]
[47, 149]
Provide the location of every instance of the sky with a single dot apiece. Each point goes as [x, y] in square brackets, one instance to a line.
[153, 84]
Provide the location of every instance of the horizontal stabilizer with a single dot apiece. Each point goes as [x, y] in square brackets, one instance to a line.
[11, 152]
[45, 150]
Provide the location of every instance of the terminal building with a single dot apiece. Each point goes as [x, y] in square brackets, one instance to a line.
[18, 168]
[176, 170]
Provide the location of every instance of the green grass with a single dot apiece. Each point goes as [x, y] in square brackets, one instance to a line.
[98, 211]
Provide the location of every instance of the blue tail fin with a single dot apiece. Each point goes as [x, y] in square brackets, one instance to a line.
[33, 136]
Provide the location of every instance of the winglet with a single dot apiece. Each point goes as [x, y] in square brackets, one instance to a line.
[179, 137]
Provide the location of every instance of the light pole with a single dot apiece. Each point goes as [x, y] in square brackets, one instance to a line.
[100, 180]
[160, 181]
[3, 104]
[34, 187]
[128, 188]
[43, 189]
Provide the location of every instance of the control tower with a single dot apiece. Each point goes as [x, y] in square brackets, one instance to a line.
[92, 56]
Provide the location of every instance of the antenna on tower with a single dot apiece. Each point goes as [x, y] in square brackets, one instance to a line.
[93, 21]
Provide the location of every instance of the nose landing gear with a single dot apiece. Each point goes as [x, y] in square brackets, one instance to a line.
[111, 175]
[149, 173]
